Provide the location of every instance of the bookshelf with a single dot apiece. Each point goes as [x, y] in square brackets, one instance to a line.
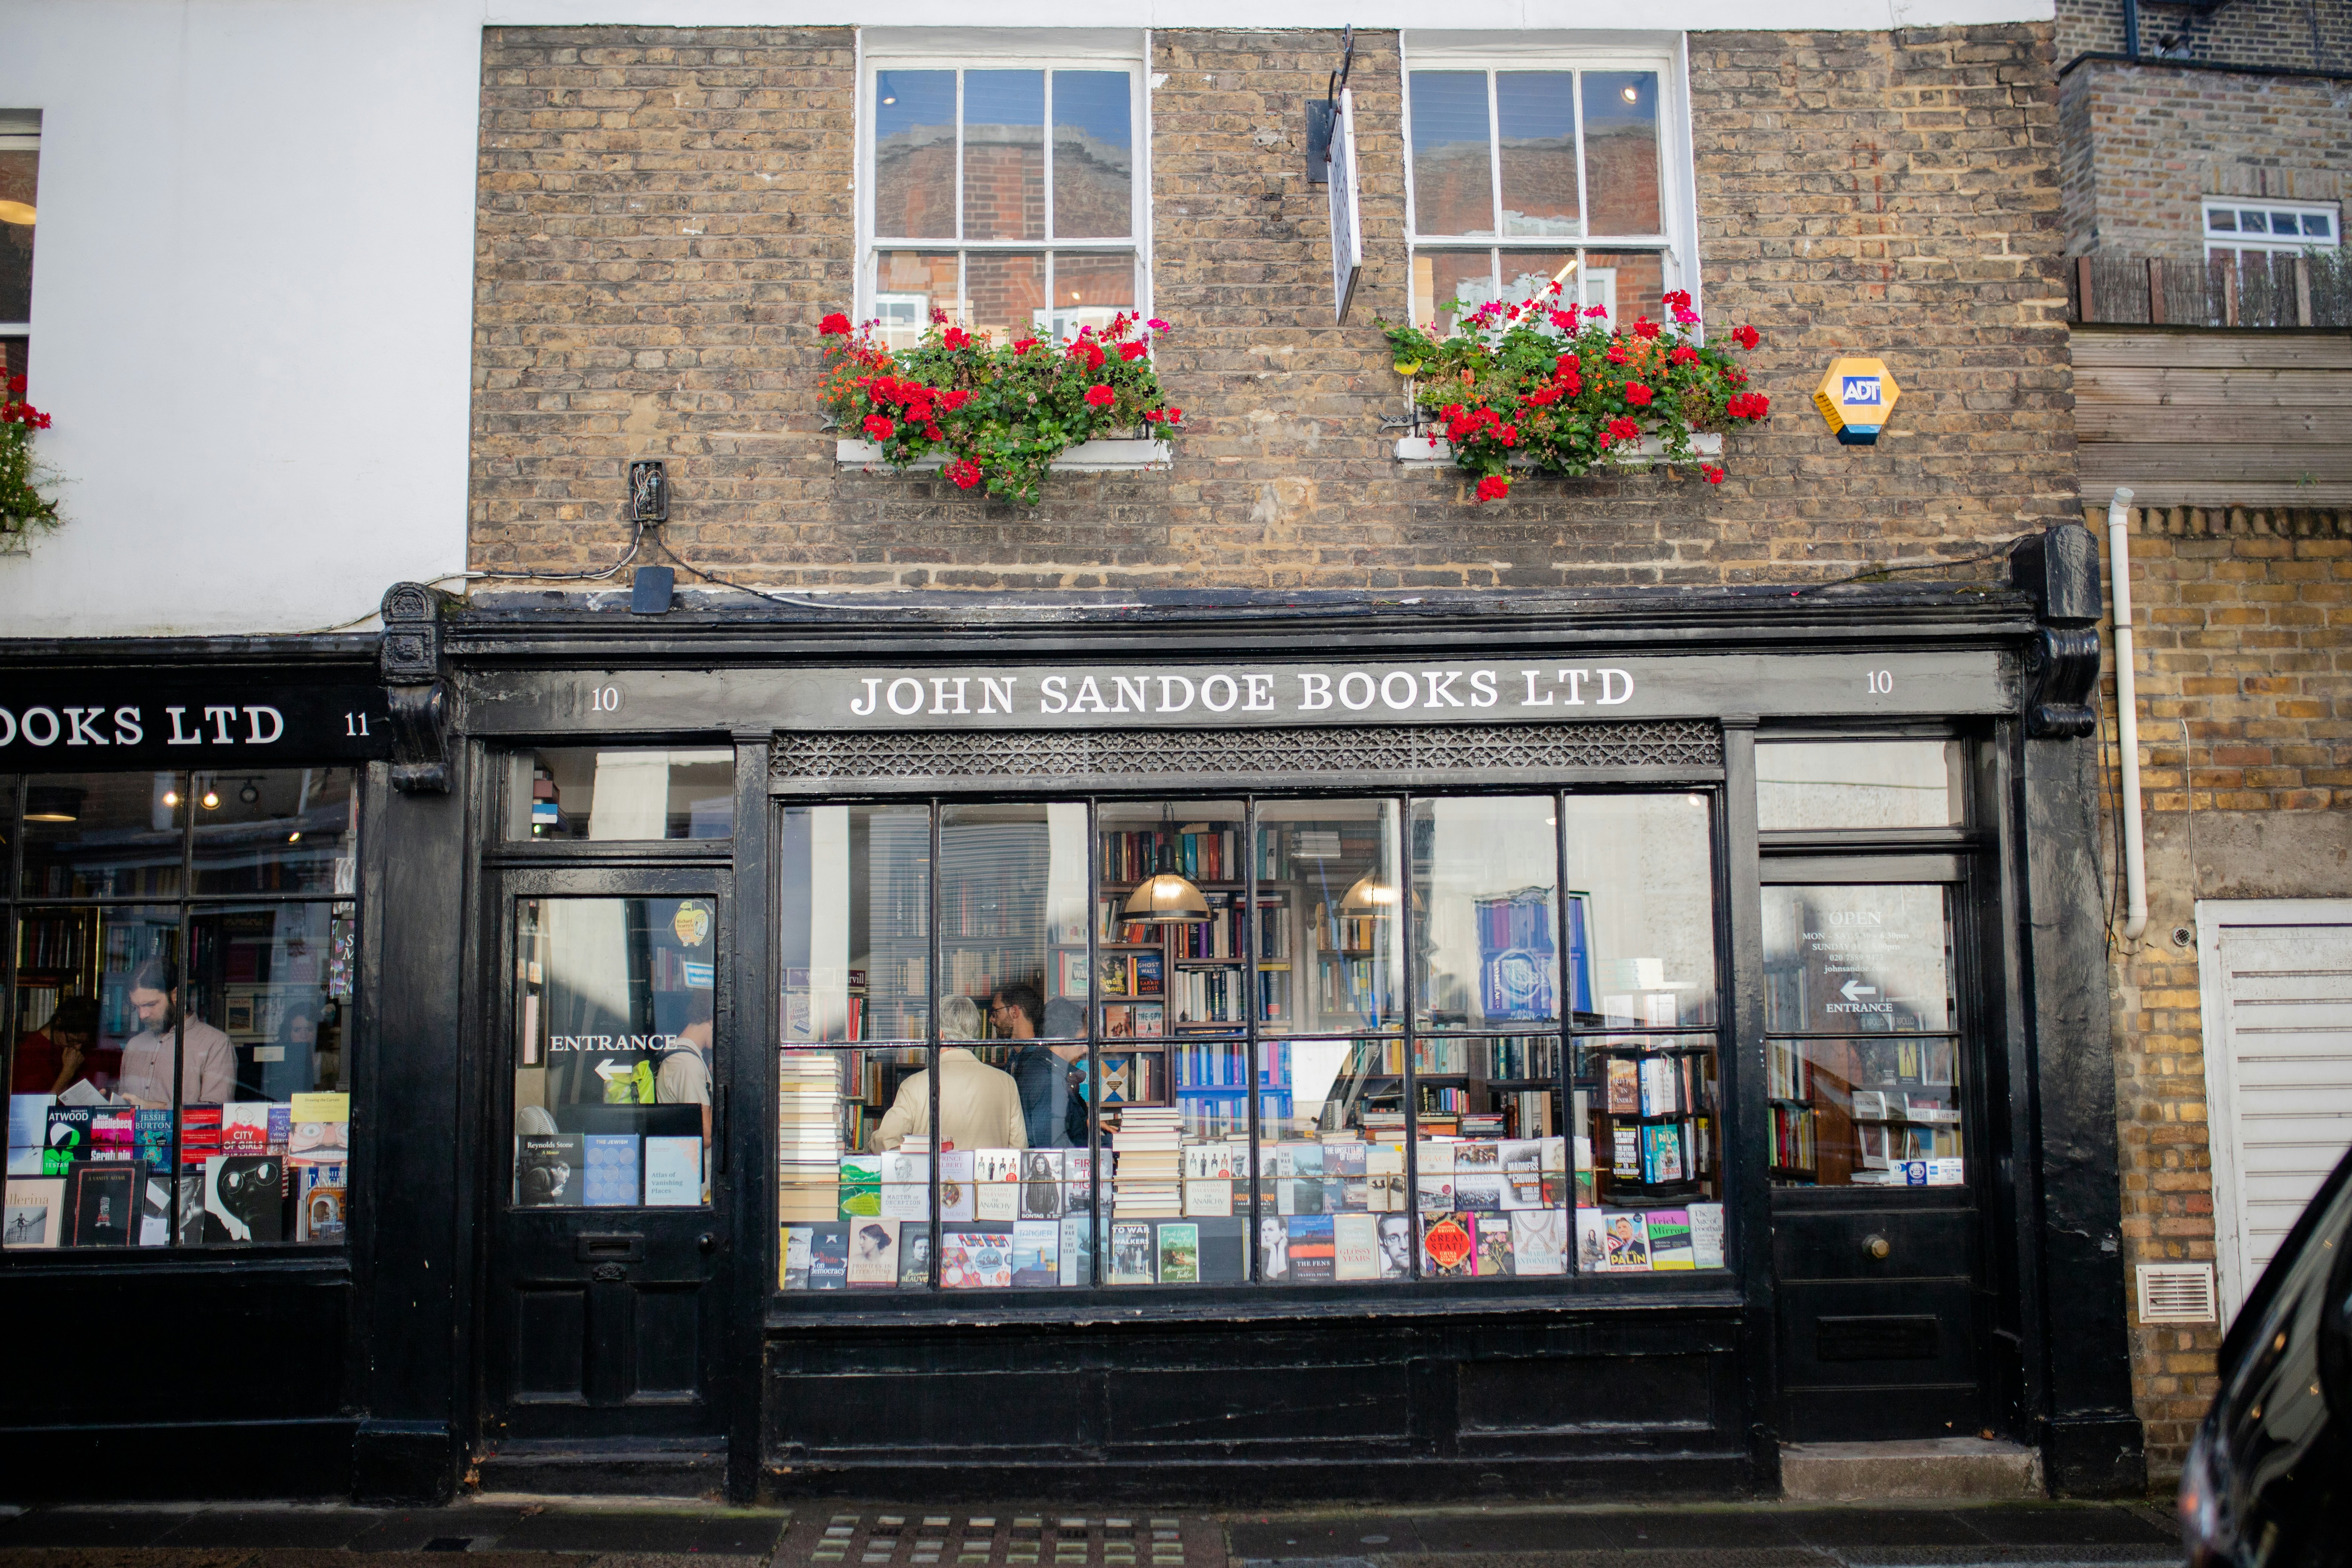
[1886, 1101]
[1654, 1109]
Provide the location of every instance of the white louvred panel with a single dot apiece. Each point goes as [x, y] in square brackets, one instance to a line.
[2177, 1293]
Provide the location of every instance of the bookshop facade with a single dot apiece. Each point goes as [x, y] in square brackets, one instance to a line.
[1549, 1049]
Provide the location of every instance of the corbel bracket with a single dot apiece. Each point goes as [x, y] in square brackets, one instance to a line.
[423, 700]
[2060, 567]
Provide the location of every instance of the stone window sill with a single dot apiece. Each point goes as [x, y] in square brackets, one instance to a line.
[1430, 451]
[1116, 457]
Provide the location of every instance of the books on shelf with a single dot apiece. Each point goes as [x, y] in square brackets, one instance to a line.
[1134, 1020]
[1147, 1170]
[1132, 974]
[809, 1135]
[1626, 1241]
[1792, 1138]
[1198, 850]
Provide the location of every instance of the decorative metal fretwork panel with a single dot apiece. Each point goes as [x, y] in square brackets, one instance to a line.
[1673, 744]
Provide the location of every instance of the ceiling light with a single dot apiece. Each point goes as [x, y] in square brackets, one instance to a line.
[295, 836]
[1165, 898]
[15, 212]
[1369, 898]
[212, 800]
[249, 794]
[889, 101]
[52, 803]
[170, 797]
[1630, 94]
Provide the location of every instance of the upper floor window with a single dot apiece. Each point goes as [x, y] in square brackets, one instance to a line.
[20, 164]
[1525, 169]
[1006, 193]
[2237, 225]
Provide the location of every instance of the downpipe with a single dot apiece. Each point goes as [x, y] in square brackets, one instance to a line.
[2128, 714]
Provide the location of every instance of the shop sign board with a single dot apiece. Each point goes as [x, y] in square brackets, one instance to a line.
[79, 725]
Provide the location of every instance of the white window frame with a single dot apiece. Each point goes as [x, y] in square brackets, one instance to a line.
[1033, 49]
[20, 131]
[1667, 54]
[2227, 240]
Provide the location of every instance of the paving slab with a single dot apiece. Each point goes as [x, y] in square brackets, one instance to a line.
[93, 1526]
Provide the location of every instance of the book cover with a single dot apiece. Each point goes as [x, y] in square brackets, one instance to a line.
[958, 1201]
[546, 1169]
[1523, 1172]
[609, 1178]
[66, 1138]
[245, 1198]
[1670, 1240]
[1384, 1178]
[1624, 1087]
[1130, 1255]
[102, 1201]
[1299, 1194]
[322, 1201]
[1396, 1246]
[1151, 1023]
[112, 1133]
[1078, 1181]
[1041, 1185]
[1591, 1241]
[975, 1259]
[1036, 1254]
[1707, 1236]
[33, 1213]
[1627, 1240]
[1150, 977]
[1077, 1248]
[1449, 1246]
[1211, 1197]
[1625, 1150]
[244, 1126]
[1273, 1249]
[200, 1133]
[1180, 1254]
[905, 1185]
[914, 1256]
[1538, 1241]
[1496, 1253]
[152, 1132]
[1355, 1247]
[996, 1185]
[155, 1208]
[1436, 1162]
[860, 1192]
[281, 1128]
[1658, 1087]
[873, 1252]
[28, 1133]
[1478, 1176]
[793, 1263]
[1312, 1245]
[828, 1256]
[1223, 1250]
[674, 1175]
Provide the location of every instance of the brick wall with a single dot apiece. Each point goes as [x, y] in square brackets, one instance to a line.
[2145, 143]
[2299, 34]
[664, 215]
[2242, 619]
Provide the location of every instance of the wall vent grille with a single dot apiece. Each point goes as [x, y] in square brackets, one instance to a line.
[2177, 1293]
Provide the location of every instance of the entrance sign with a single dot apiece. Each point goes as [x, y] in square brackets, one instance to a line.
[1856, 959]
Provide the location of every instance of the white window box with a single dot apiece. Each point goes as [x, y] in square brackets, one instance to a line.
[1430, 451]
[1115, 457]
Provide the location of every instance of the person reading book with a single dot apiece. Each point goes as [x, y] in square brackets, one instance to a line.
[1016, 1012]
[207, 1065]
[50, 1057]
[979, 1106]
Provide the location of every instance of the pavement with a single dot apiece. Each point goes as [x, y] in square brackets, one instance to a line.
[606, 1532]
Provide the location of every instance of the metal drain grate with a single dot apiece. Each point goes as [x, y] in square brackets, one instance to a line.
[1007, 1540]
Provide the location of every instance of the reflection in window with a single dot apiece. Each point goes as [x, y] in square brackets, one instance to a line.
[1852, 784]
[1486, 874]
[586, 792]
[277, 830]
[103, 836]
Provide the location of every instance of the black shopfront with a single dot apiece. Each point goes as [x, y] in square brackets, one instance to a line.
[1219, 1049]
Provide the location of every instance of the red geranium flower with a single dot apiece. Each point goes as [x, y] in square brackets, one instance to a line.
[1684, 354]
[1616, 354]
[956, 338]
[1134, 351]
[1101, 397]
[964, 472]
[1637, 394]
[877, 428]
[953, 400]
[1565, 321]
[1747, 337]
[1175, 416]
[1089, 350]
[934, 433]
[1494, 486]
[1737, 376]
[1644, 328]
[834, 326]
[1712, 474]
[1679, 300]
[1623, 430]
[1023, 345]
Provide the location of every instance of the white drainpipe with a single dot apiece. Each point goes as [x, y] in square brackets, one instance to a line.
[2128, 714]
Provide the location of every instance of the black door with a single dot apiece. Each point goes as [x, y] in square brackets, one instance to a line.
[1876, 1241]
[608, 1250]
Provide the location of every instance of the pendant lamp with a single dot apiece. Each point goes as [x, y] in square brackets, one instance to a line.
[1165, 898]
[1369, 899]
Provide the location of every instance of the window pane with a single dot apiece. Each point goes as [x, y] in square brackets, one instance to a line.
[1641, 911]
[854, 913]
[278, 830]
[2222, 221]
[1649, 1104]
[1094, 155]
[2318, 225]
[1857, 783]
[269, 1002]
[1529, 275]
[15, 357]
[1536, 111]
[1004, 154]
[914, 154]
[1178, 1177]
[103, 835]
[853, 1214]
[1627, 283]
[1621, 152]
[1440, 277]
[613, 1014]
[1863, 1112]
[908, 285]
[1171, 906]
[1005, 293]
[1868, 960]
[19, 196]
[583, 792]
[1089, 290]
[2253, 223]
[1490, 1206]
[1330, 948]
[1453, 179]
[1486, 874]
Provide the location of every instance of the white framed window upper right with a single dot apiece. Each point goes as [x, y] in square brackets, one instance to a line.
[1547, 157]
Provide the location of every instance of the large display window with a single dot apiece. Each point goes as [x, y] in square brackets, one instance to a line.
[1239, 1041]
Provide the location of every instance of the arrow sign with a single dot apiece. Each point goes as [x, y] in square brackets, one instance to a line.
[1853, 989]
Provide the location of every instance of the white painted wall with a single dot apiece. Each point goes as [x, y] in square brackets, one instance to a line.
[252, 279]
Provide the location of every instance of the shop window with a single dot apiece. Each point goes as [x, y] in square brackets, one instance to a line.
[1004, 193]
[1209, 1078]
[20, 168]
[1521, 177]
[180, 1072]
[1842, 785]
[635, 793]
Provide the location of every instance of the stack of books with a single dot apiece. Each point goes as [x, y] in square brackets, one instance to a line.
[1148, 1181]
[808, 1136]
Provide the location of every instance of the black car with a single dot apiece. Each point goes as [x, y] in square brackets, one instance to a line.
[2268, 1479]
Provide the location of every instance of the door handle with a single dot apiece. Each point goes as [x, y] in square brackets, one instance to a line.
[1877, 1247]
[707, 1241]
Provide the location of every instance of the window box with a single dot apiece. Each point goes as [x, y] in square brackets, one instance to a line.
[1127, 455]
[1432, 451]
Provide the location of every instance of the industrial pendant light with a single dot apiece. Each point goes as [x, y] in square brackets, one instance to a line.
[1369, 899]
[1165, 898]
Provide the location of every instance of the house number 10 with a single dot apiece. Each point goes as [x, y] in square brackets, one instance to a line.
[1881, 681]
[604, 699]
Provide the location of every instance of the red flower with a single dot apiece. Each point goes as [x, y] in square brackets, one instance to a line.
[956, 338]
[16, 384]
[1748, 405]
[1023, 345]
[1684, 354]
[1494, 486]
[1637, 394]
[964, 472]
[1747, 337]
[1086, 349]
[1616, 352]
[1133, 350]
[1623, 430]
[1101, 397]
[1175, 416]
[1737, 376]
[1644, 328]
[1543, 397]
[1679, 300]
[951, 401]
[934, 433]
[878, 427]
[1712, 474]
[1509, 435]
[1564, 321]
[834, 326]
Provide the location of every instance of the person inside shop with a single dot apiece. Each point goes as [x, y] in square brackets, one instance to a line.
[684, 1077]
[49, 1059]
[288, 1065]
[979, 1106]
[1016, 1012]
[207, 1064]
